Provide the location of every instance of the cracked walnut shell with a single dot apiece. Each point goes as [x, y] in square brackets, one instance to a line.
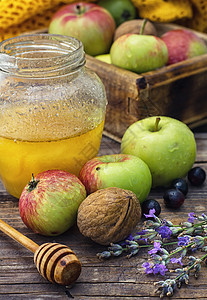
[109, 215]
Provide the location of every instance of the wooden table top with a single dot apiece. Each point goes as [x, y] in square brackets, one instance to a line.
[116, 278]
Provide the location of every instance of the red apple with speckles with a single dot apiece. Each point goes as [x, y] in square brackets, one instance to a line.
[139, 53]
[117, 170]
[49, 203]
[90, 23]
[183, 44]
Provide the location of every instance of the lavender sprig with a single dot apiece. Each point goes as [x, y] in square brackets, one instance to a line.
[167, 287]
[155, 235]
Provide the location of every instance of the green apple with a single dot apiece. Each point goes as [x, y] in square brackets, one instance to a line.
[139, 53]
[117, 170]
[121, 10]
[165, 144]
[104, 57]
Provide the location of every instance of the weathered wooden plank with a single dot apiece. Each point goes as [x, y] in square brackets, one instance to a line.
[93, 274]
[113, 289]
[36, 296]
[24, 288]
[133, 290]
[52, 296]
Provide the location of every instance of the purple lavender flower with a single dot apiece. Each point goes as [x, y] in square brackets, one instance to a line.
[148, 267]
[176, 261]
[160, 268]
[132, 237]
[164, 231]
[143, 232]
[204, 216]
[183, 240]
[156, 248]
[151, 213]
[191, 217]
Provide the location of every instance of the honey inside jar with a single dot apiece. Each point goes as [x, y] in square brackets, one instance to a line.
[51, 112]
[19, 159]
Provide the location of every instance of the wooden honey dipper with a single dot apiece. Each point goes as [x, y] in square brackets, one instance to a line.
[55, 262]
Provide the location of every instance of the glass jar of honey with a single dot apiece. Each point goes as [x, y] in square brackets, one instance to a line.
[52, 108]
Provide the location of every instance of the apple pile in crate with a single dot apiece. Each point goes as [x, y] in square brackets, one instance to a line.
[110, 31]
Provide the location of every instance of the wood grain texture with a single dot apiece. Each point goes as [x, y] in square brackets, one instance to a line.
[113, 279]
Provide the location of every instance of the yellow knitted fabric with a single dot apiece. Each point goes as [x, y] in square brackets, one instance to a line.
[37, 22]
[192, 13]
[164, 11]
[18, 16]
[14, 12]
[199, 20]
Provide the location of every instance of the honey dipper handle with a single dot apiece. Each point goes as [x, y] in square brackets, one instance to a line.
[17, 236]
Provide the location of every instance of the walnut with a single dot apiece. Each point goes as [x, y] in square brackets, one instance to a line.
[109, 215]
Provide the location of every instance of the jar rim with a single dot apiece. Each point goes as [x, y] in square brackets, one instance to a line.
[42, 37]
[32, 50]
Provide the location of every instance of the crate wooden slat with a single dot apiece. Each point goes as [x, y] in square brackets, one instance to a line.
[178, 90]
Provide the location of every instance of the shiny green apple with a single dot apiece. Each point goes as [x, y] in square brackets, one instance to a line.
[165, 144]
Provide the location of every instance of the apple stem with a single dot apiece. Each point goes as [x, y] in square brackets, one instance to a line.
[79, 9]
[156, 123]
[32, 184]
[143, 26]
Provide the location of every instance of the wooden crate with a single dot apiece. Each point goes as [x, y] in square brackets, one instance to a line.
[178, 90]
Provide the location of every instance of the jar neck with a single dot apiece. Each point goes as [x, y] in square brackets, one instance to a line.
[41, 55]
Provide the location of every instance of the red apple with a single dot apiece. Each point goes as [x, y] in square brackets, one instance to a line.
[183, 44]
[117, 170]
[49, 202]
[92, 24]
